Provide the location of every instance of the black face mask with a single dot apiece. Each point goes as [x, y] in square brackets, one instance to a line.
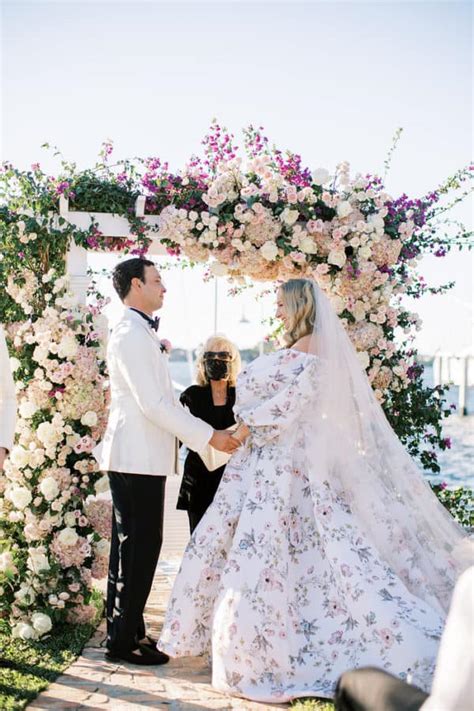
[216, 369]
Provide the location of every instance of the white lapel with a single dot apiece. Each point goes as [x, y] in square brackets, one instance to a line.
[138, 320]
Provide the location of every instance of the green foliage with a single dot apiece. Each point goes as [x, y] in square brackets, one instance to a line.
[458, 501]
[26, 668]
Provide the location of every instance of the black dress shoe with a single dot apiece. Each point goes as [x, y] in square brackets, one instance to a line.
[146, 657]
[150, 643]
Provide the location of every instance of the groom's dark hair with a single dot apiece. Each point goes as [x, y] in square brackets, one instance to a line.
[126, 271]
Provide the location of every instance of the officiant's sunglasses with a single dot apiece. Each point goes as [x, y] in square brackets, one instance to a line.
[217, 355]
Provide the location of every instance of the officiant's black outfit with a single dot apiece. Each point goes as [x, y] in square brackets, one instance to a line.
[199, 485]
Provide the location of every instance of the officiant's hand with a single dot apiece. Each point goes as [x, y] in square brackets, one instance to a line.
[3, 455]
[224, 441]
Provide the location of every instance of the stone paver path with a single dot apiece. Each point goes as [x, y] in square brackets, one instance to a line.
[182, 684]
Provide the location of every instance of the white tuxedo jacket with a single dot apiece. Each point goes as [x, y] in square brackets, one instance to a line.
[145, 419]
[7, 397]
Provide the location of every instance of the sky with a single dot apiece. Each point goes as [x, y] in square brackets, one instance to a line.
[330, 80]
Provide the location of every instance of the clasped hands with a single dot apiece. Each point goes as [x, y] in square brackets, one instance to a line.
[229, 441]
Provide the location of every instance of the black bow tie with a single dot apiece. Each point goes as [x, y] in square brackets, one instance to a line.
[152, 322]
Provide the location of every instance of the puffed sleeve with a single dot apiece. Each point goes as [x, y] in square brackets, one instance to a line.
[271, 402]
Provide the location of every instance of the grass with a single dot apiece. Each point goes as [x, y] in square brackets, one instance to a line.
[26, 668]
[312, 705]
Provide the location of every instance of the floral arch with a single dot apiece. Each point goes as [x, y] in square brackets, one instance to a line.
[264, 217]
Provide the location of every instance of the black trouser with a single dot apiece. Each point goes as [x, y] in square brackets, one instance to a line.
[371, 689]
[137, 534]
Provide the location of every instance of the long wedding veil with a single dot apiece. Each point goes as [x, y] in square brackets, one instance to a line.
[362, 457]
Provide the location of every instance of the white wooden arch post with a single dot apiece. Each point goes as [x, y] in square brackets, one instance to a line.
[110, 225]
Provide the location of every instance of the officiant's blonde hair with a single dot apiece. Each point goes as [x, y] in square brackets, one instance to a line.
[298, 298]
[219, 342]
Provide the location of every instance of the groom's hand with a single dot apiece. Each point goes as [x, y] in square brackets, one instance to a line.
[223, 441]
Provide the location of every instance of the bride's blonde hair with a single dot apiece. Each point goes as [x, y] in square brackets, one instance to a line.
[298, 299]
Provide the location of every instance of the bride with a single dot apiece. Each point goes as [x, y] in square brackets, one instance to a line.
[324, 548]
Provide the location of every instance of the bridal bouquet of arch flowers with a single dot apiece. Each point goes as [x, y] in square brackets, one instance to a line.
[53, 528]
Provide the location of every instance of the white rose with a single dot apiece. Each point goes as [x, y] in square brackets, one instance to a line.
[344, 208]
[102, 484]
[14, 364]
[22, 630]
[37, 560]
[89, 419]
[49, 488]
[308, 245]
[41, 623]
[19, 457]
[364, 359]
[337, 257]
[48, 434]
[269, 251]
[320, 176]
[20, 497]
[68, 537]
[69, 519]
[289, 217]
[219, 269]
[365, 252]
[27, 409]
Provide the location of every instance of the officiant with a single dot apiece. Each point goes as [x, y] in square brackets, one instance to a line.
[212, 400]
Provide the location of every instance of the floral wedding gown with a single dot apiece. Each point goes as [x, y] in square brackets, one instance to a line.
[278, 581]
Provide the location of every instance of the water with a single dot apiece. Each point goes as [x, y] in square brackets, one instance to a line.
[456, 463]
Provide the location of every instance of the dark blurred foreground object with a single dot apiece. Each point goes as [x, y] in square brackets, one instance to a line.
[371, 689]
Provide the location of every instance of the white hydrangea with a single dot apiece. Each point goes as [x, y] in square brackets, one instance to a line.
[22, 630]
[41, 623]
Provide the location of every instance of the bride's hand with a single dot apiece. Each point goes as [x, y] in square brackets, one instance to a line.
[241, 433]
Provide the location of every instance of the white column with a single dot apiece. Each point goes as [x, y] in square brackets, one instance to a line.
[76, 266]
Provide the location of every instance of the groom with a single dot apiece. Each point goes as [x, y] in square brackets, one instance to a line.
[139, 450]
